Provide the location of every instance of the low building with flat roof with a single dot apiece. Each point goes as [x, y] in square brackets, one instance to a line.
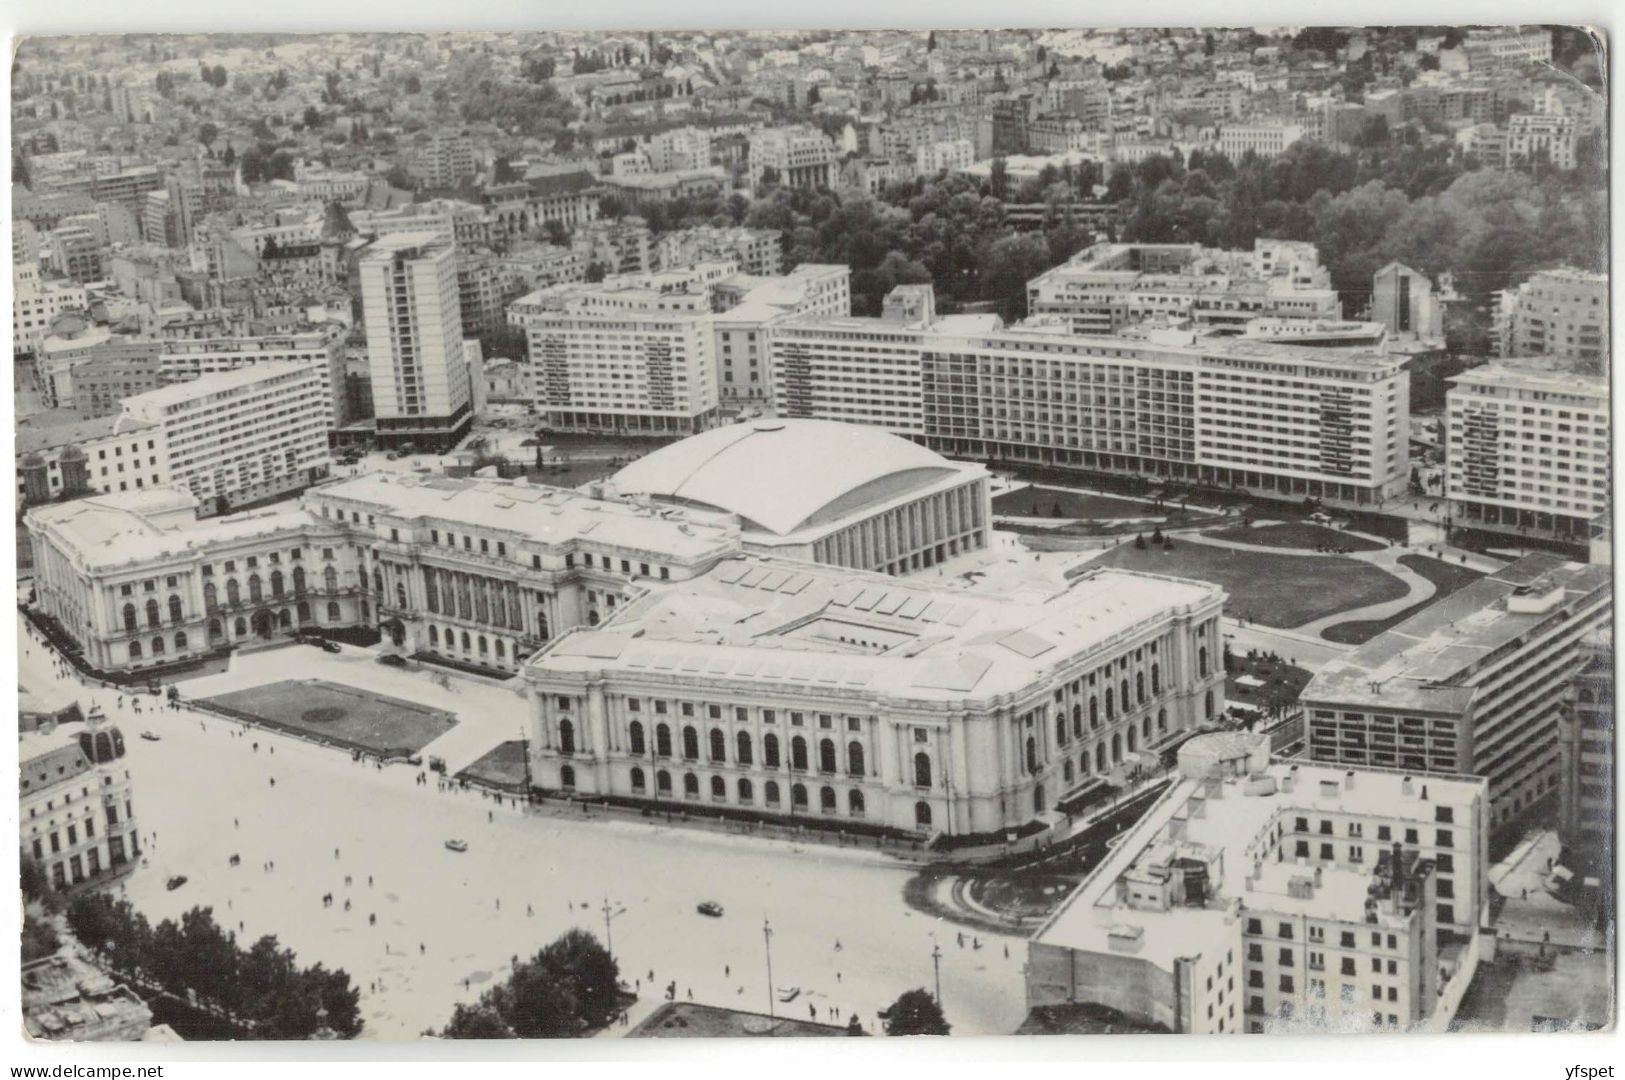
[67, 999]
[690, 1020]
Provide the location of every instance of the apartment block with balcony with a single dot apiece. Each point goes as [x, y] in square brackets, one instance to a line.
[1561, 313]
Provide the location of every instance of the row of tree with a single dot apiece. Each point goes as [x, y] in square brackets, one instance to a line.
[261, 990]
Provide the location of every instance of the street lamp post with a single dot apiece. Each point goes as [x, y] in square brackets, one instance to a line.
[936, 964]
[767, 945]
[609, 940]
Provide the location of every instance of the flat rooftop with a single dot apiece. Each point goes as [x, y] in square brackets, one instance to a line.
[1426, 662]
[1232, 828]
[534, 512]
[68, 427]
[219, 382]
[1547, 374]
[782, 621]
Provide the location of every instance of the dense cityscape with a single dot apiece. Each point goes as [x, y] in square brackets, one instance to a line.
[830, 533]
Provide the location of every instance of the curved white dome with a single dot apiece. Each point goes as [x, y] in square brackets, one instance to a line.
[781, 474]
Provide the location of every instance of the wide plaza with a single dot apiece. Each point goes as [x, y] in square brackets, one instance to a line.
[449, 923]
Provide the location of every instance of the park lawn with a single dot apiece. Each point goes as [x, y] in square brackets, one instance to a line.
[341, 714]
[1263, 588]
[502, 767]
[1283, 682]
[1446, 578]
[1043, 502]
[1303, 535]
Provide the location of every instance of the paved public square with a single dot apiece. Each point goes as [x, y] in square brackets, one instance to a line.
[449, 923]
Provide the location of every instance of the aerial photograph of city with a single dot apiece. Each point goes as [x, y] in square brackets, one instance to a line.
[786, 534]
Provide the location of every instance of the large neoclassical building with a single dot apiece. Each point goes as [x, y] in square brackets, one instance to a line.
[823, 491]
[796, 690]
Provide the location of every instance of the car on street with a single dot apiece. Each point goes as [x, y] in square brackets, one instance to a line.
[150, 735]
[331, 646]
[710, 908]
[457, 845]
[393, 660]
[176, 882]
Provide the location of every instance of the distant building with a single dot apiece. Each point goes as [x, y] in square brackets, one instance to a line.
[689, 1020]
[1527, 449]
[757, 251]
[446, 159]
[184, 359]
[1403, 301]
[35, 304]
[66, 999]
[1533, 138]
[946, 155]
[1560, 313]
[1587, 741]
[616, 246]
[800, 156]
[1260, 896]
[1264, 140]
[1502, 47]
[1468, 686]
[751, 309]
[60, 453]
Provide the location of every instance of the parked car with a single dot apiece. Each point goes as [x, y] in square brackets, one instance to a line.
[176, 882]
[457, 845]
[154, 689]
[711, 908]
[150, 736]
[331, 646]
[393, 660]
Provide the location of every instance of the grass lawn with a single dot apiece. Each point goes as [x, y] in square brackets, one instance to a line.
[1304, 535]
[1042, 502]
[342, 714]
[502, 767]
[1266, 589]
[572, 474]
[1446, 578]
[1283, 682]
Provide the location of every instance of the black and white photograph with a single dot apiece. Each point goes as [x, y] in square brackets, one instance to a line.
[701, 534]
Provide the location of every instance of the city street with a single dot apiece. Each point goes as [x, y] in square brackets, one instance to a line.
[449, 923]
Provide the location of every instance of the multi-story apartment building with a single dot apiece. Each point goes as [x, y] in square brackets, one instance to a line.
[69, 455]
[1469, 685]
[77, 816]
[944, 155]
[1109, 286]
[1276, 897]
[1265, 139]
[628, 355]
[619, 246]
[750, 311]
[446, 159]
[242, 436]
[571, 199]
[800, 156]
[76, 252]
[454, 221]
[756, 251]
[678, 149]
[543, 265]
[99, 377]
[1586, 734]
[1536, 137]
[901, 706]
[1527, 449]
[1501, 47]
[412, 312]
[35, 304]
[1561, 313]
[184, 359]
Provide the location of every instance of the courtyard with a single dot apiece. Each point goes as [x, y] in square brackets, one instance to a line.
[343, 715]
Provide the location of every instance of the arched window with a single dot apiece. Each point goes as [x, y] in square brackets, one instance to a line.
[174, 609]
[1139, 687]
[1032, 754]
[634, 735]
[333, 611]
[1066, 770]
[1162, 721]
[567, 737]
[541, 624]
[1208, 712]
[485, 646]
[637, 778]
[798, 753]
[854, 802]
[1100, 758]
[216, 631]
[663, 782]
[1131, 738]
[745, 793]
[330, 579]
[770, 750]
[742, 749]
[211, 596]
[283, 619]
[302, 612]
[719, 788]
[377, 581]
[1060, 728]
[1201, 661]
[1094, 712]
[240, 627]
[922, 815]
[662, 740]
[1117, 747]
[826, 755]
[691, 785]
[234, 595]
[135, 650]
[255, 591]
[567, 776]
[922, 770]
[434, 637]
[299, 581]
[276, 583]
[798, 796]
[1156, 679]
[719, 745]
[1038, 799]
[1123, 696]
[465, 641]
[400, 595]
[501, 652]
[691, 744]
[770, 792]
[1083, 764]
[1110, 711]
[180, 640]
[592, 618]
[1145, 727]
[129, 618]
[157, 646]
[826, 799]
[152, 613]
[854, 758]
